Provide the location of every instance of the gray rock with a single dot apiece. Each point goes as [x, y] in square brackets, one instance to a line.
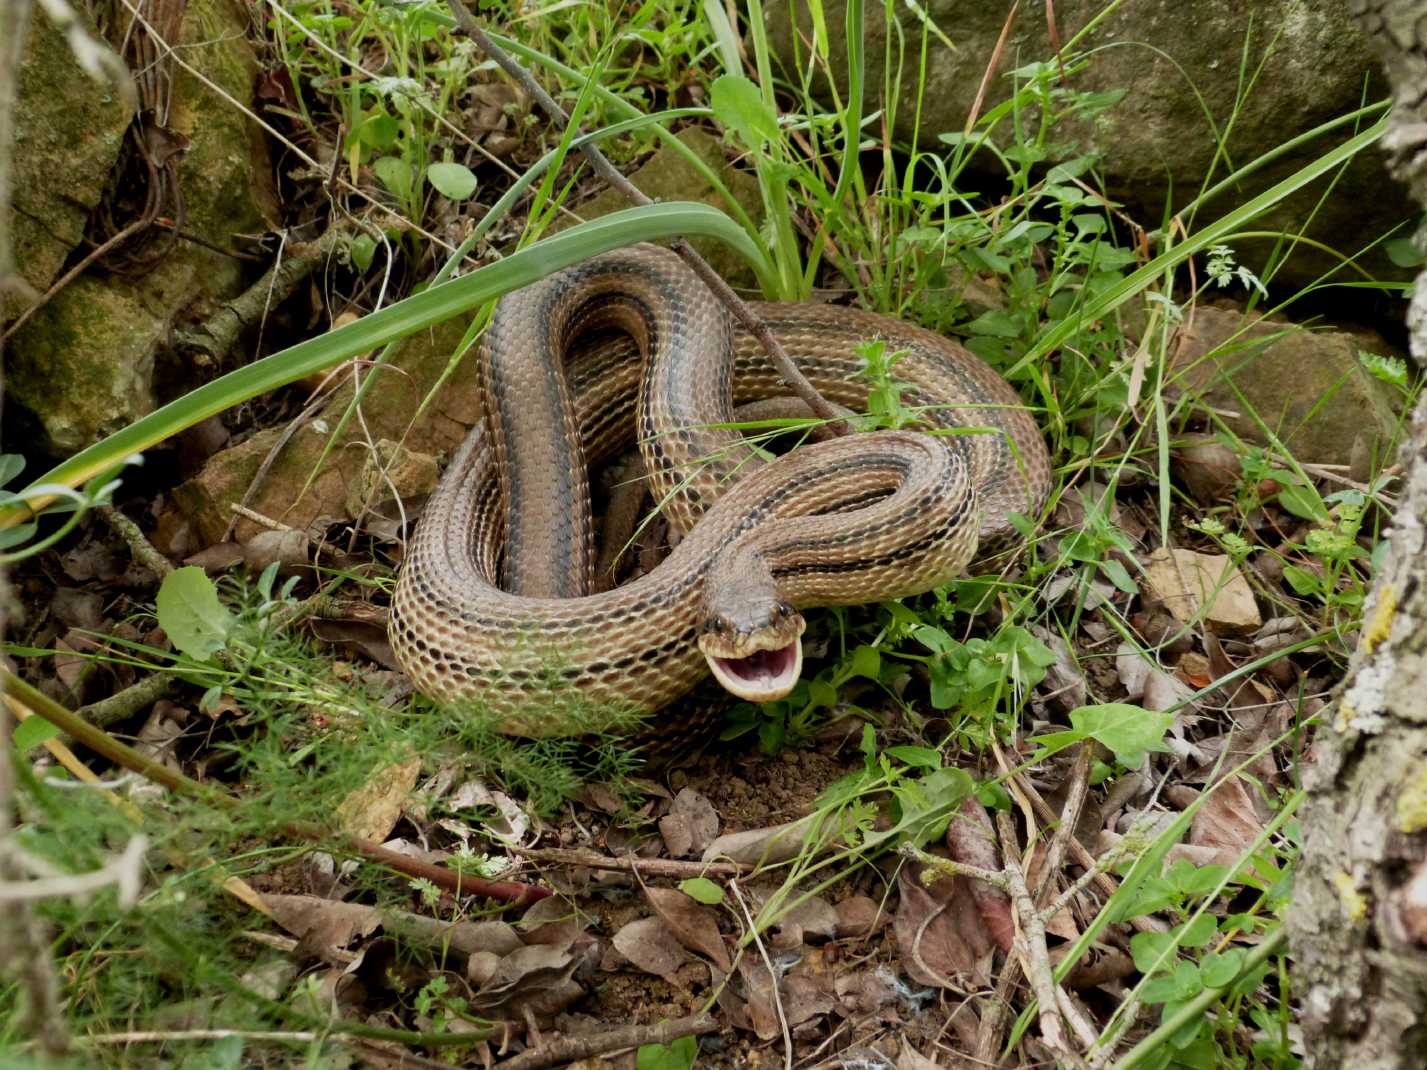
[84, 365]
[1307, 386]
[1307, 63]
[68, 132]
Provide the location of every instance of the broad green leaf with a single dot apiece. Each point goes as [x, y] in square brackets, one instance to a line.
[1199, 931]
[866, 661]
[1303, 502]
[191, 615]
[1127, 730]
[1219, 968]
[32, 732]
[395, 175]
[703, 890]
[679, 1055]
[1152, 951]
[919, 757]
[1301, 580]
[364, 247]
[740, 106]
[11, 465]
[452, 180]
[379, 131]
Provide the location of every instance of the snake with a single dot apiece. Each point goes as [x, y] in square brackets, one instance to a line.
[492, 606]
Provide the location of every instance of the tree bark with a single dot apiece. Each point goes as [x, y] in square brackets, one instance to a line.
[1358, 924]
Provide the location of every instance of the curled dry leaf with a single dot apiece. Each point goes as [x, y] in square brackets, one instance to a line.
[765, 846]
[324, 925]
[693, 925]
[690, 826]
[939, 931]
[650, 945]
[372, 810]
[287, 549]
[971, 841]
[813, 917]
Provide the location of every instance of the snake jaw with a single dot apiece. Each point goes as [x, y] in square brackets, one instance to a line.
[761, 666]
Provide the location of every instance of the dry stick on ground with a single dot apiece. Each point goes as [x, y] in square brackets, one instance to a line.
[568, 1049]
[129, 758]
[773, 974]
[606, 170]
[648, 867]
[216, 335]
[1032, 944]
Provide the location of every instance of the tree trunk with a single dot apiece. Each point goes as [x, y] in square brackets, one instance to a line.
[1358, 923]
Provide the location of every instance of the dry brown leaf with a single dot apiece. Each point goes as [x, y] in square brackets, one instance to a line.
[970, 841]
[865, 991]
[677, 835]
[911, 1059]
[323, 924]
[693, 925]
[858, 915]
[805, 998]
[1226, 821]
[650, 945]
[372, 810]
[777, 843]
[939, 931]
[813, 917]
[760, 988]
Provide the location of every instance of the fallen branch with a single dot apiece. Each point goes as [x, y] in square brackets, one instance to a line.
[107, 746]
[568, 1049]
[648, 867]
[216, 335]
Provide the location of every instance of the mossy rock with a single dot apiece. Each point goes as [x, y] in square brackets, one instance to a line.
[1180, 69]
[68, 133]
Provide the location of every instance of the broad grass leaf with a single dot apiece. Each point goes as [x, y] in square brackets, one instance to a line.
[679, 1055]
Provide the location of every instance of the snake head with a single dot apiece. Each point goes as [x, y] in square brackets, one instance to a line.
[755, 651]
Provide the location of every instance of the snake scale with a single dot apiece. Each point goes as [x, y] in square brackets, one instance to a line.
[491, 605]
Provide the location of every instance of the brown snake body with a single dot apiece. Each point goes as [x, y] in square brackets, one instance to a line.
[862, 518]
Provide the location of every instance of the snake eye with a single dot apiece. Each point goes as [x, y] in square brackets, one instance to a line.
[782, 611]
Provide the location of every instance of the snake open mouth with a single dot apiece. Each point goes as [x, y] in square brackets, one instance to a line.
[763, 676]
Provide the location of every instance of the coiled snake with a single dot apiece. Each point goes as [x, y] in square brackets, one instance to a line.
[861, 518]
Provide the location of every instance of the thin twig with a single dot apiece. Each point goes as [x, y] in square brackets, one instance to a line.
[772, 975]
[607, 171]
[648, 867]
[1031, 944]
[145, 553]
[568, 1049]
[1069, 818]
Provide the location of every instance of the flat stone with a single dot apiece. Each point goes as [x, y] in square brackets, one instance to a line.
[1307, 386]
[314, 476]
[392, 471]
[1207, 587]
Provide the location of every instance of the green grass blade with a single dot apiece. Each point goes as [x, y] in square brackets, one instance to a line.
[579, 243]
[1116, 295]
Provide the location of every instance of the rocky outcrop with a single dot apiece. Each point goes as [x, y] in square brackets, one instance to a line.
[84, 365]
[1254, 75]
[1307, 386]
